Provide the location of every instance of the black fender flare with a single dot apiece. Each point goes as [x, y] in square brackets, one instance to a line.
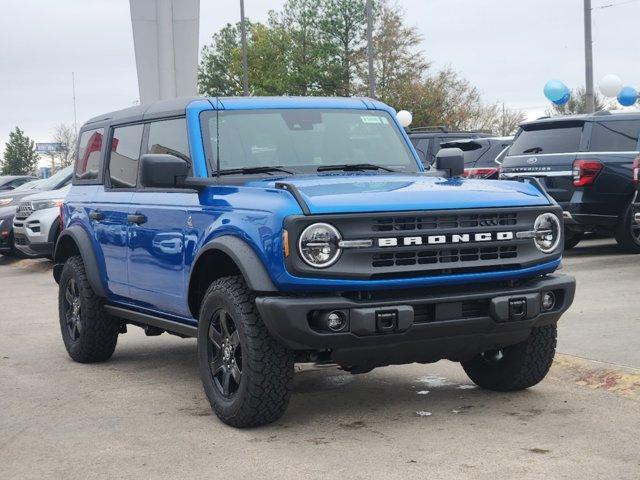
[83, 243]
[250, 265]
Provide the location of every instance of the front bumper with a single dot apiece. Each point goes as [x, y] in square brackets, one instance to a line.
[431, 325]
[35, 236]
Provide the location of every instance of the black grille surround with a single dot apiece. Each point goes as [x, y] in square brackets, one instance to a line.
[401, 261]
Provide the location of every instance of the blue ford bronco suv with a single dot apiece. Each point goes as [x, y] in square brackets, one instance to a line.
[284, 230]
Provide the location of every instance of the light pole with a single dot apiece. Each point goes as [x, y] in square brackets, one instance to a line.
[372, 78]
[588, 58]
[245, 68]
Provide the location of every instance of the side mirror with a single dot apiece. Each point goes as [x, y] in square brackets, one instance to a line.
[163, 171]
[450, 161]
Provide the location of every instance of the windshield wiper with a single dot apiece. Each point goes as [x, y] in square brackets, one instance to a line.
[350, 167]
[533, 150]
[250, 170]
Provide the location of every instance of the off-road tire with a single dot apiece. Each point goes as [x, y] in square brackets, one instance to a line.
[263, 393]
[98, 332]
[572, 239]
[623, 234]
[522, 365]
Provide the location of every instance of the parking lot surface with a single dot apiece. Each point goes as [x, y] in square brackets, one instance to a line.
[144, 415]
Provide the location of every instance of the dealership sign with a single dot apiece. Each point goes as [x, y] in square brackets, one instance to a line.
[50, 147]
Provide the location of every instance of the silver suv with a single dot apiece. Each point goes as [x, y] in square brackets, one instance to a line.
[36, 224]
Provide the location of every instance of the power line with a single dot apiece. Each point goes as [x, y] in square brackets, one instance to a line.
[615, 4]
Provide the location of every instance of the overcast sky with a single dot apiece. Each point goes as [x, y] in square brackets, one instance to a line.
[507, 48]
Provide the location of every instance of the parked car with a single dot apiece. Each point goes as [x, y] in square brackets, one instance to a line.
[285, 230]
[481, 154]
[9, 203]
[428, 140]
[9, 182]
[586, 163]
[36, 224]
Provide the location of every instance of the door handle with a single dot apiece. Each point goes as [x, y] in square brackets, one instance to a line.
[136, 218]
[96, 215]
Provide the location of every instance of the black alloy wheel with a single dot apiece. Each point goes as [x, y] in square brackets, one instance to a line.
[73, 309]
[224, 353]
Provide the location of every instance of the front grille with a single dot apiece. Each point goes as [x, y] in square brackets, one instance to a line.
[441, 222]
[24, 210]
[415, 244]
[20, 240]
[455, 255]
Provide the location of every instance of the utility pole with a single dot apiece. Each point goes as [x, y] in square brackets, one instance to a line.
[372, 78]
[75, 117]
[504, 119]
[245, 68]
[588, 57]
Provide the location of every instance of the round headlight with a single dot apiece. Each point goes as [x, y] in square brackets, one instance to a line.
[548, 232]
[318, 245]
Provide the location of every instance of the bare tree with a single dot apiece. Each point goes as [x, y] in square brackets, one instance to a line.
[66, 135]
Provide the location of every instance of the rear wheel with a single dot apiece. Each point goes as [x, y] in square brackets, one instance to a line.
[627, 232]
[89, 333]
[515, 367]
[572, 239]
[245, 372]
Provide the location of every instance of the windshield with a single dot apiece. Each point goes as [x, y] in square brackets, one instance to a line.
[561, 137]
[303, 140]
[28, 186]
[54, 180]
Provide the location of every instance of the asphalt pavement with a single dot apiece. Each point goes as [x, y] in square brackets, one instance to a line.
[144, 415]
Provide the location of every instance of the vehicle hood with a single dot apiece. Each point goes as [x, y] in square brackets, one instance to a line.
[49, 195]
[16, 197]
[354, 193]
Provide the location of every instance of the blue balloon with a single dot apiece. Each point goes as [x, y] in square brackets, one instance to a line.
[627, 96]
[564, 99]
[555, 90]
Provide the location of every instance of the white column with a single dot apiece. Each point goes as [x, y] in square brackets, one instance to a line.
[165, 37]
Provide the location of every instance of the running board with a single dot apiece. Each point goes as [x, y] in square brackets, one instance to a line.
[142, 319]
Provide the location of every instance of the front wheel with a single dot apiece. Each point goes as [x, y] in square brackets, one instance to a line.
[246, 373]
[89, 333]
[627, 232]
[515, 367]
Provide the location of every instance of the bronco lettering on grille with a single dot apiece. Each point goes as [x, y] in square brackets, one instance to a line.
[454, 238]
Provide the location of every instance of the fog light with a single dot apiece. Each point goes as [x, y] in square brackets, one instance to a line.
[548, 301]
[335, 321]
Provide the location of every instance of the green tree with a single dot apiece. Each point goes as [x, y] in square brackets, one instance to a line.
[343, 24]
[220, 72]
[20, 157]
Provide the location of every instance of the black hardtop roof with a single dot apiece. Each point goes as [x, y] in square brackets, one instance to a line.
[159, 109]
[588, 117]
[177, 107]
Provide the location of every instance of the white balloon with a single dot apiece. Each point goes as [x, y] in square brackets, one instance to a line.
[610, 85]
[404, 117]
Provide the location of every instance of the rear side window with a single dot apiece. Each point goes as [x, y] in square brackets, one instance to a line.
[88, 160]
[124, 156]
[615, 136]
[169, 137]
[561, 137]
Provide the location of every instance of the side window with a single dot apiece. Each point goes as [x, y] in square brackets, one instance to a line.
[422, 147]
[615, 136]
[169, 137]
[123, 159]
[88, 159]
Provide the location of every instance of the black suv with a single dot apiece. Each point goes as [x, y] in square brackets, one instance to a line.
[481, 155]
[586, 163]
[428, 140]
